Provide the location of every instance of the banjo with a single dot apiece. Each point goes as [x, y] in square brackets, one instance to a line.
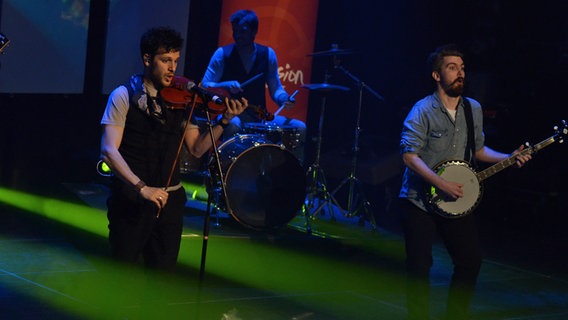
[462, 172]
[4, 41]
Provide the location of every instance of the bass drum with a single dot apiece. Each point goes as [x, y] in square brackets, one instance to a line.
[265, 183]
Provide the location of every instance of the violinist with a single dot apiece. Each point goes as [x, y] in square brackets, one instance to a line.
[141, 136]
[233, 65]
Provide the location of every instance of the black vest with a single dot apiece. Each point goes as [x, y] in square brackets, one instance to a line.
[255, 92]
[150, 147]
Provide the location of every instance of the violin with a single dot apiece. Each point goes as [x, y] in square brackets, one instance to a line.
[178, 97]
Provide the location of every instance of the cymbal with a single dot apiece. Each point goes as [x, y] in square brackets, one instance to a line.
[324, 87]
[331, 52]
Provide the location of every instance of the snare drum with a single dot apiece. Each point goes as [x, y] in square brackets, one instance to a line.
[265, 183]
[286, 135]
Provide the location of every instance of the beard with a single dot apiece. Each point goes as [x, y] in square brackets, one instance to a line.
[455, 89]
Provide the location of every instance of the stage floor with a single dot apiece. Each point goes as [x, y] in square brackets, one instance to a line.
[343, 269]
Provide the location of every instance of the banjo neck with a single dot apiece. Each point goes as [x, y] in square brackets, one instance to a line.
[461, 171]
[484, 174]
[4, 41]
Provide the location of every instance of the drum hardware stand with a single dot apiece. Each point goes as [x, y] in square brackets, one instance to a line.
[205, 174]
[318, 186]
[215, 203]
[352, 181]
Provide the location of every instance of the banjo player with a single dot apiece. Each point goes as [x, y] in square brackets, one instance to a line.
[436, 130]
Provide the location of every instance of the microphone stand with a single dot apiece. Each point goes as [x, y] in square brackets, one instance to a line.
[352, 181]
[207, 221]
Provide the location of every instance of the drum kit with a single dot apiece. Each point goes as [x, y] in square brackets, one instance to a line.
[259, 180]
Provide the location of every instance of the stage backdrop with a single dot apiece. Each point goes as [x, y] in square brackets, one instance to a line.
[289, 28]
[48, 46]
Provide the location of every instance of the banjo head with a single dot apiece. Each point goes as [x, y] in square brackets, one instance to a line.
[462, 172]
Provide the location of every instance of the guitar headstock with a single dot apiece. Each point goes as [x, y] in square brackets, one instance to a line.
[562, 131]
[4, 41]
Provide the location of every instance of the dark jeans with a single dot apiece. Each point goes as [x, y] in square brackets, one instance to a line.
[135, 232]
[461, 239]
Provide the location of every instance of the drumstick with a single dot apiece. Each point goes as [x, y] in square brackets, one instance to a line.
[291, 99]
[278, 111]
[251, 79]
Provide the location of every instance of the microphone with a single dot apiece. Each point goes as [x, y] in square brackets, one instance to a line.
[204, 93]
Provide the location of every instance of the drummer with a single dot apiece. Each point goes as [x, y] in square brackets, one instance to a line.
[232, 66]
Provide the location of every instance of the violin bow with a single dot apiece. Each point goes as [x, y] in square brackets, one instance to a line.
[174, 165]
[251, 79]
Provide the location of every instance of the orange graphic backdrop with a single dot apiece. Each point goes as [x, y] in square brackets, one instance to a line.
[288, 26]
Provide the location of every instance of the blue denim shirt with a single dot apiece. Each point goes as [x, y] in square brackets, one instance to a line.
[430, 132]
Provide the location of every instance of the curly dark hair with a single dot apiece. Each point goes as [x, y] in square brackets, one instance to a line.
[435, 58]
[160, 38]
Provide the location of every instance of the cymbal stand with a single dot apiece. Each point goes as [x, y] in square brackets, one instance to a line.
[318, 186]
[355, 188]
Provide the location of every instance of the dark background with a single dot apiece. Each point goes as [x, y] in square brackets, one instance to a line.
[516, 58]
